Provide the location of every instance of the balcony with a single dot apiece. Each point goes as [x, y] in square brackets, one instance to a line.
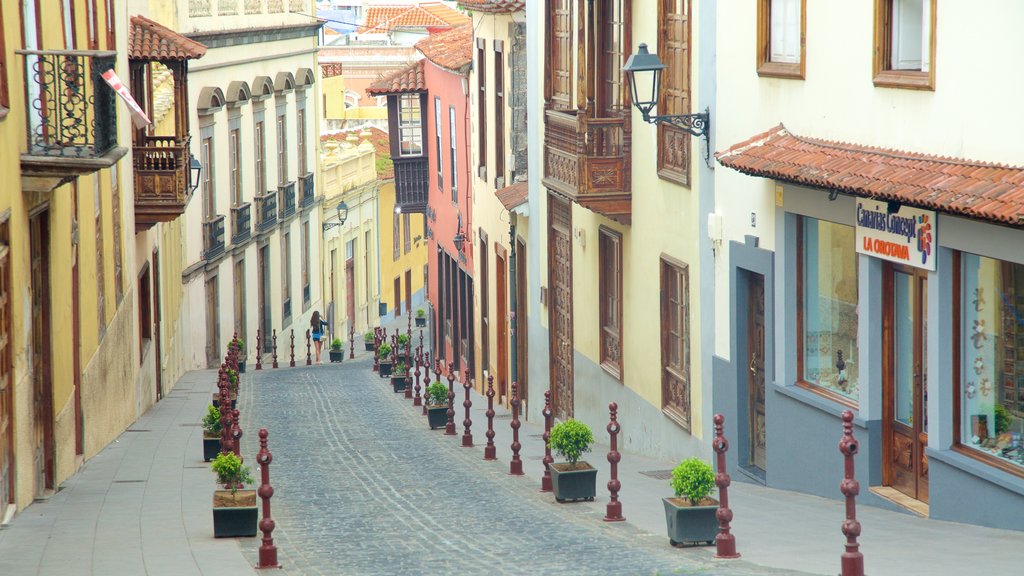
[161, 167]
[287, 199]
[266, 211]
[412, 183]
[586, 160]
[71, 115]
[213, 237]
[308, 193]
[241, 223]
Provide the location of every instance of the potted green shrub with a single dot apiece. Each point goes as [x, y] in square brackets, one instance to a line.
[421, 318]
[368, 340]
[400, 377]
[232, 390]
[437, 405]
[234, 509]
[384, 359]
[690, 516]
[211, 433]
[403, 342]
[336, 353]
[572, 480]
[241, 355]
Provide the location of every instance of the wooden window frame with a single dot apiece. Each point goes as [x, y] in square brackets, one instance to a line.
[765, 66]
[499, 112]
[259, 156]
[206, 154]
[300, 121]
[481, 107]
[145, 310]
[282, 150]
[882, 73]
[611, 86]
[610, 276]
[92, 24]
[957, 341]
[800, 382]
[559, 52]
[452, 140]
[235, 145]
[413, 128]
[5, 100]
[305, 246]
[396, 240]
[667, 132]
[437, 140]
[286, 276]
[666, 263]
[111, 26]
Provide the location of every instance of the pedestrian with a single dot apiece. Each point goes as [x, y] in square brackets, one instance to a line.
[317, 324]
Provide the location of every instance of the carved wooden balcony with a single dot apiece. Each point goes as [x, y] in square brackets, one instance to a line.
[286, 199]
[71, 115]
[266, 211]
[161, 170]
[587, 160]
[213, 237]
[307, 192]
[412, 184]
[241, 223]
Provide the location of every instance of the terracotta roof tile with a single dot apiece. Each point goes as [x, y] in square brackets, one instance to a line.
[980, 190]
[384, 19]
[494, 6]
[408, 79]
[514, 195]
[451, 50]
[148, 40]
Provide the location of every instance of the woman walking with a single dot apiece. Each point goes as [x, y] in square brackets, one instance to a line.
[317, 325]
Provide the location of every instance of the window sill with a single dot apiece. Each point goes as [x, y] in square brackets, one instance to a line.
[815, 397]
[906, 79]
[674, 176]
[676, 416]
[781, 70]
[613, 370]
[975, 464]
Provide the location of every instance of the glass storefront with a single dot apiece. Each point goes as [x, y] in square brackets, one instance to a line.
[828, 265]
[992, 357]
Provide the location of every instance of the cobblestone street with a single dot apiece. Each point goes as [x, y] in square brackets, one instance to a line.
[363, 487]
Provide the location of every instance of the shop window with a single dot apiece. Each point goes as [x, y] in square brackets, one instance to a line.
[904, 44]
[827, 310]
[410, 133]
[991, 375]
[781, 26]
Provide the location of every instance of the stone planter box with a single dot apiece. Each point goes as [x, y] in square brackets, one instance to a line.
[573, 482]
[688, 524]
[437, 417]
[234, 515]
[398, 383]
[421, 322]
[385, 369]
[241, 365]
[369, 346]
[336, 355]
[211, 447]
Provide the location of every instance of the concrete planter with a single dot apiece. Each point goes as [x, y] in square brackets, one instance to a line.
[385, 369]
[573, 482]
[688, 524]
[421, 322]
[234, 515]
[368, 346]
[437, 416]
[336, 355]
[398, 383]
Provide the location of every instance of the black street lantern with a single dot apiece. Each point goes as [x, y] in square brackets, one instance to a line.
[643, 70]
[195, 168]
[342, 210]
[459, 239]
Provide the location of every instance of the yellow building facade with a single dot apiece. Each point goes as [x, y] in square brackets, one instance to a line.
[403, 255]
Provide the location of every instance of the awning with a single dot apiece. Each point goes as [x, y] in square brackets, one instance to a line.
[982, 190]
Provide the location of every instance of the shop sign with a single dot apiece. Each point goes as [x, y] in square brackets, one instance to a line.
[906, 236]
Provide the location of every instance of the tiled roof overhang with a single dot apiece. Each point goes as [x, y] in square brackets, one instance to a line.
[981, 190]
[513, 196]
[493, 6]
[149, 40]
[406, 80]
[451, 50]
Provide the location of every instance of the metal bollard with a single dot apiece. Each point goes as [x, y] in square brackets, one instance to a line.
[725, 542]
[852, 559]
[236, 432]
[467, 436]
[613, 512]
[309, 357]
[268, 552]
[489, 450]
[259, 351]
[545, 481]
[292, 363]
[274, 365]
[352, 341]
[515, 467]
[417, 400]
[449, 427]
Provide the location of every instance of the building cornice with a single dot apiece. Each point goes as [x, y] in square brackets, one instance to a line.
[226, 38]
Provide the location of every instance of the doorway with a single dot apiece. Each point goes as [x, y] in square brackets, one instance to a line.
[755, 375]
[560, 306]
[905, 382]
[158, 365]
[501, 303]
[408, 292]
[6, 375]
[42, 384]
[398, 296]
[264, 291]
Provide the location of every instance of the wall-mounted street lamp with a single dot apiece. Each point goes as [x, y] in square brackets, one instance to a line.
[195, 168]
[342, 209]
[460, 238]
[643, 70]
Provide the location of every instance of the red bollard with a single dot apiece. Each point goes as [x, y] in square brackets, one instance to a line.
[545, 481]
[224, 406]
[268, 552]
[489, 450]
[417, 400]
[449, 427]
[259, 351]
[613, 512]
[236, 433]
[421, 338]
[725, 542]
[467, 436]
[515, 467]
[274, 365]
[352, 341]
[309, 357]
[852, 559]
[292, 364]
[376, 356]
[408, 374]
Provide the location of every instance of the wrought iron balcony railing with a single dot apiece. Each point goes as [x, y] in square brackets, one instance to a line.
[266, 211]
[213, 237]
[241, 223]
[308, 192]
[412, 184]
[161, 179]
[70, 109]
[287, 200]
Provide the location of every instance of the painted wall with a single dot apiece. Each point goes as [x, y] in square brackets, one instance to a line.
[334, 89]
[413, 261]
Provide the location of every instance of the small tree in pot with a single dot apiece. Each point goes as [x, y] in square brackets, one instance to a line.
[400, 377]
[368, 340]
[241, 355]
[421, 318]
[336, 353]
[384, 359]
[403, 342]
[211, 433]
[690, 516]
[234, 510]
[572, 480]
[437, 405]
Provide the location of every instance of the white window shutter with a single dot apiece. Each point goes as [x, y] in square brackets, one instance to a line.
[907, 36]
[785, 31]
[926, 35]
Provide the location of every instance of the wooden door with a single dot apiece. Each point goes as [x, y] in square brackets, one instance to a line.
[350, 292]
[42, 385]
[560, 307]
[264, 291]
[501, 304]
[905, 388]
[158, 364]
[213, 352]
[755, 374]
[76, 330]
[408, 291]
[6, 375]
[521, 334]
[485, 316]
[398, 296]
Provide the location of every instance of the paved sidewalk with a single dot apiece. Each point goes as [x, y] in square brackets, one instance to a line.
[140, 506]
